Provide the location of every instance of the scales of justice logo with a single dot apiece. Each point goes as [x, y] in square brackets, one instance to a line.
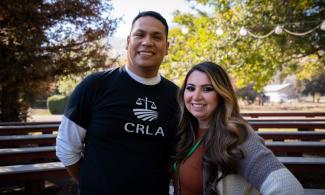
[145, 113]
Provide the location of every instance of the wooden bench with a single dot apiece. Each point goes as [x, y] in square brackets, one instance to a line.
[299, 125]
[28, 165]
[308, 147]
[25, 134]
[50, 128]
[7, 141]
[27, 155]
[33, 175]
[299, 164]
[298, 135]
[283, 114]
[277, 147]
[302, 165]
[25, 129]
[49, 139]
[280, 119]
[35, 182]
[29, 123]
[314, 191]
[297, 148]
[25, 165]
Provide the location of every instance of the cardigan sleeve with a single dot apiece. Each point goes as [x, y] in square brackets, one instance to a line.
[264, 171]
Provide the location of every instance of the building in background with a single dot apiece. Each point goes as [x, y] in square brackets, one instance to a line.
[279, 93]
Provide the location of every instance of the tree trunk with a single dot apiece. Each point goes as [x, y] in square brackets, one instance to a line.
[12, 108]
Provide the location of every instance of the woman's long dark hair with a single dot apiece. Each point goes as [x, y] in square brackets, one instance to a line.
[227, 129]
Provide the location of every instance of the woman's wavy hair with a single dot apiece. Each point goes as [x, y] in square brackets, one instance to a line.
[227, 129]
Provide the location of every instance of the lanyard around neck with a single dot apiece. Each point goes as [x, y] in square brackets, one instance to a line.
[192, 150]
[196, 145]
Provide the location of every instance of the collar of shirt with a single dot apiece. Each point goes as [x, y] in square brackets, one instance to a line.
[146, 81]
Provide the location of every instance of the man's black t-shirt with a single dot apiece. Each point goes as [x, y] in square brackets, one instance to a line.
[129, 131]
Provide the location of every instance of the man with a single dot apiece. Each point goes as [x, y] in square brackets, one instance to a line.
[116, 133]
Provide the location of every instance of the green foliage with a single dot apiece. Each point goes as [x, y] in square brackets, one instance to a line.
[315, 85]
[247, 94]
[67, 84]
[57, 103]
[42, 40]
[249, 60]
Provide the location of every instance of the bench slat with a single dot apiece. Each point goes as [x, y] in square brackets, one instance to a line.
[302, 160]
[300, 125]
[33, 172]
[52, 166]
[17, 155]
[302, 165]
[18, 169]
[303, 135]
[314, 191]
[286, 114]
[49, 128]
[21, 140]
[25, 129]
[26, 137]
[14, 151]
[310, 147]
[29, 123]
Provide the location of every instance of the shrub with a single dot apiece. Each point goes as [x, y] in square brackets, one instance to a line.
[56, 103]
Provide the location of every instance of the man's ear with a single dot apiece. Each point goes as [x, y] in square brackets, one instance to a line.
[167, 47]
[127, 42]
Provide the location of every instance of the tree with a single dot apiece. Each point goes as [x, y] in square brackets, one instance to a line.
[247, 94]
[315, 86]
[41, 40]
[249, 59]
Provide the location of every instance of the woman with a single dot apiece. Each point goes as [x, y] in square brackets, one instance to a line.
[217, 151]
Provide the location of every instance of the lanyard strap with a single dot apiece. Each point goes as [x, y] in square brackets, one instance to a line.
[196, 145]
[192, 150]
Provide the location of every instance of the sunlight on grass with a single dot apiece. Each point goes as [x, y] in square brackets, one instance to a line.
[40, 112]
[276, 129]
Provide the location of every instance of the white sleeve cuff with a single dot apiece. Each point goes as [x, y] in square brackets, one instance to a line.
[282, 182]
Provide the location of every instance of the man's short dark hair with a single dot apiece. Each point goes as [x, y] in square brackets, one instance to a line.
[154, 15]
